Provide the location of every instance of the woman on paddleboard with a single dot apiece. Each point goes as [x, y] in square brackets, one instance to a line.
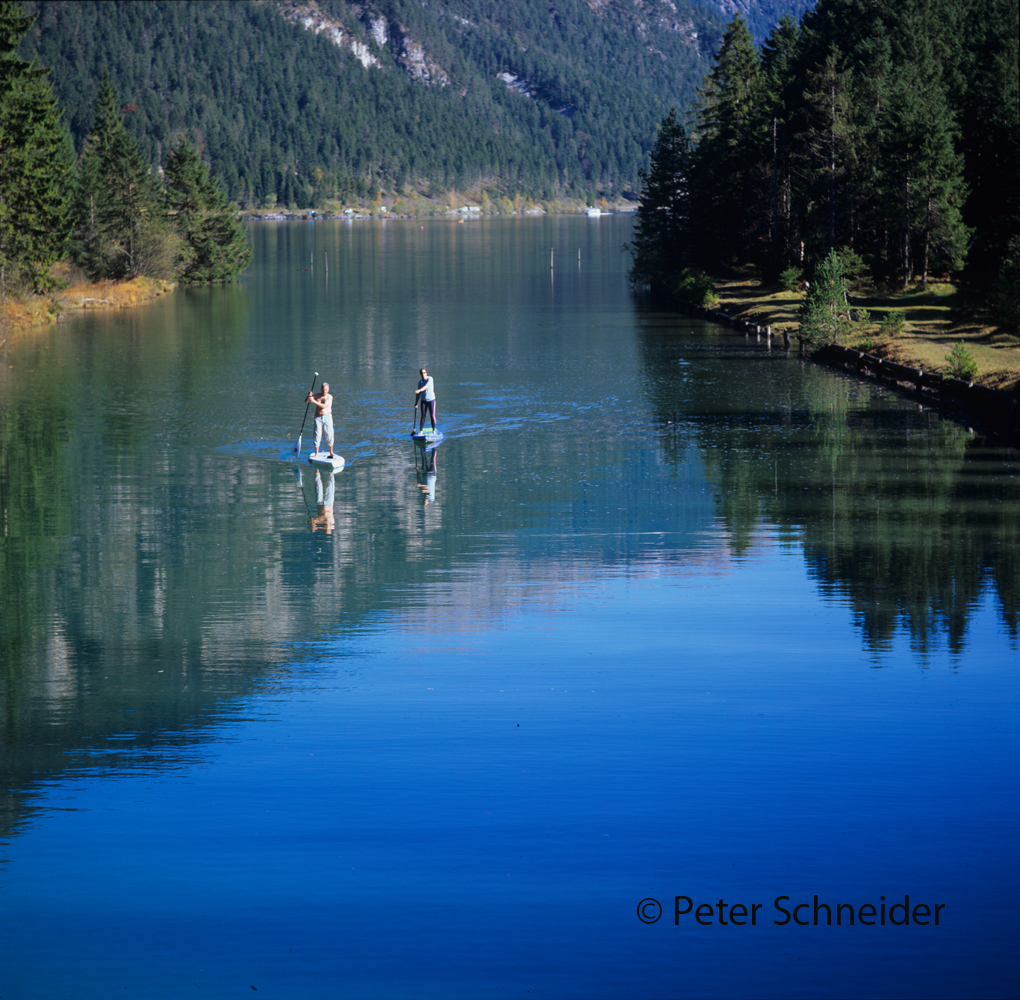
[426, 397]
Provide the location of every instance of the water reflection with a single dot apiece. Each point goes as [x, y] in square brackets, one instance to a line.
[909, 518]
[150, 575]
[426, 463]
[676, 518]
[325, 489]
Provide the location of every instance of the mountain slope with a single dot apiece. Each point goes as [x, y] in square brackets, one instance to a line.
[297, 102]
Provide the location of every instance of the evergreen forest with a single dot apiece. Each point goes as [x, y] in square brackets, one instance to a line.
[110, 210]
[524, 97]
[886, 130]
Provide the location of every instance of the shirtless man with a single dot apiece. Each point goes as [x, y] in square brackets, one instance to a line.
[323, 417]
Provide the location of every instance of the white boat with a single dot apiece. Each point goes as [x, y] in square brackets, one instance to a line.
[593, 212]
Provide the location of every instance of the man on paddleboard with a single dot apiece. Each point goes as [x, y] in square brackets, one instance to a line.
[426, 397]
[323, 416]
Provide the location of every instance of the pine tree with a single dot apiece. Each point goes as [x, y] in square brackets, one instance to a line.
[825, 317]
[121, 230]
[924, 172]
[662, 232]
[829, 144]
[216, 244]
[731, 141]
[36, 158]
[988, 112]
[778, 55]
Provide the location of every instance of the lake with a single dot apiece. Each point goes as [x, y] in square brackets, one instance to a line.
[673, 634]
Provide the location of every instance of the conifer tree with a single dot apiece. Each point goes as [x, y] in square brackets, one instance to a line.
[924, 172]
[731, 135]
[120, 228]
[778, 55]
[216, 246]
[829, 148]
[36, 159]
[662, 232]
[825, 317]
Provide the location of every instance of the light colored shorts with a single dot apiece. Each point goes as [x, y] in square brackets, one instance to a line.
[324, 428]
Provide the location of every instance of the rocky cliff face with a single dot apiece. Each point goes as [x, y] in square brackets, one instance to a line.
[379, 39]
[761, 15]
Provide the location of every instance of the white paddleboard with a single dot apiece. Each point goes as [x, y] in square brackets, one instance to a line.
[323, 461]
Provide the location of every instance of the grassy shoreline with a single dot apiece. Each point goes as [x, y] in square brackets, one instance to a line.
[21, 313]
[937, 318]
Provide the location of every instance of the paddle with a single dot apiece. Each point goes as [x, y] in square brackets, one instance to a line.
[297, 450]
[414, 414]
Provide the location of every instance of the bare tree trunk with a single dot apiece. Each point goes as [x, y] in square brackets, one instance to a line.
[906, 233]
[927, 243]
[832, 170]
[775, 187]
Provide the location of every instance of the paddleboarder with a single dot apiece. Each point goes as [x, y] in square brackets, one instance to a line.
[323, 417]
[425, 395]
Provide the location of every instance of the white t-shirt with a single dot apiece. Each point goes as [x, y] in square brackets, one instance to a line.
[430, 389]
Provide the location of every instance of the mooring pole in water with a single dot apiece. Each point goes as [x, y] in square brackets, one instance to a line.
[578, 256]
[325, 253]
[551, 249]
[786, 339]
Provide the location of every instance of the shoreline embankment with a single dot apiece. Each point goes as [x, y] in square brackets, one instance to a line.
[25, 313]
[994, 411]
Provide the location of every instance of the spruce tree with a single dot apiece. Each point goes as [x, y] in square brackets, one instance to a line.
[216, 246]
[825, 317]
[36, 159]
[120, 228]
[662, 232]
[829, 146]
[988, 112]
[778, 55]
[924, 172]
[731, 141]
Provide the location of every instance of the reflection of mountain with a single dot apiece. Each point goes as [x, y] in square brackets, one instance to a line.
[906, 516]
[148, 582]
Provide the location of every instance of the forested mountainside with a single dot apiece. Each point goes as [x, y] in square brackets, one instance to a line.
[297, 103]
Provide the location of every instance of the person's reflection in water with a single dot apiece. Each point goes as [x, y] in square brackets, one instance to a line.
[427, 476]
[324, 499]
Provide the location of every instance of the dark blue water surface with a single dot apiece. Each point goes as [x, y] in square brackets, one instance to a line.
[667, 614]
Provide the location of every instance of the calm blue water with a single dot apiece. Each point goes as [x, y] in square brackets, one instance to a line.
[667, 614]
